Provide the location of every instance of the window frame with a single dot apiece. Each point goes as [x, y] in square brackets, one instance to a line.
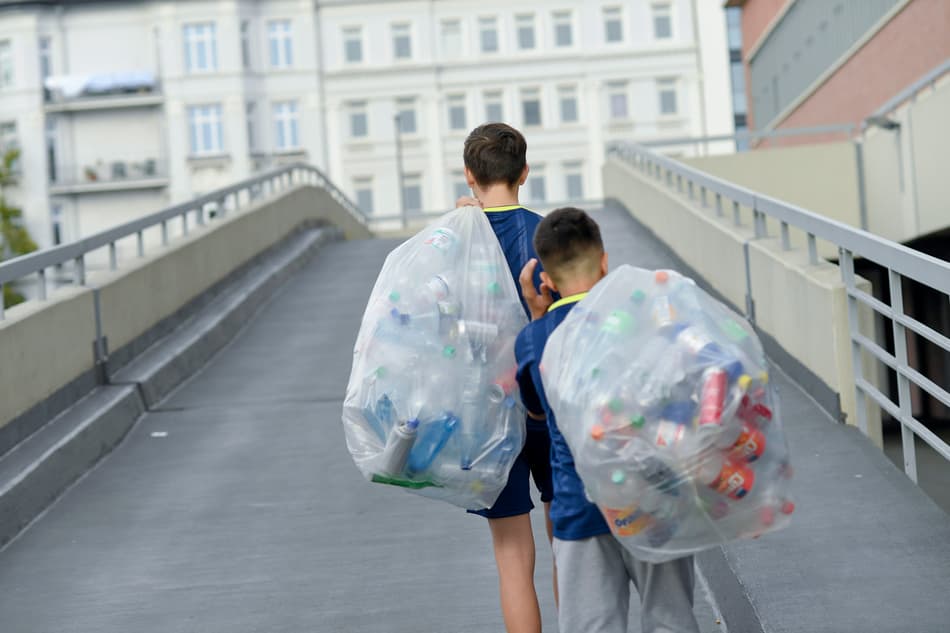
[286, 118]
[200, 37]
[280, 43]
[199, 117]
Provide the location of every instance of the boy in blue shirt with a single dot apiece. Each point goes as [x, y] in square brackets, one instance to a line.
[495, 169]
[594, 570]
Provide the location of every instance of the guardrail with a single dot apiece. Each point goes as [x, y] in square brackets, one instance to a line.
[911, 91]
[222, 202]
[900, 262]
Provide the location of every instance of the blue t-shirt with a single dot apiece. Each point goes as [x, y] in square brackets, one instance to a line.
[573, 516]
[514, 227]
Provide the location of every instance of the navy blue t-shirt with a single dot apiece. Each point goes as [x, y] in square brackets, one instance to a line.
[573, 516]
[514, 227]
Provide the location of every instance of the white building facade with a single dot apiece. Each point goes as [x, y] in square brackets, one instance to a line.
[122, 108]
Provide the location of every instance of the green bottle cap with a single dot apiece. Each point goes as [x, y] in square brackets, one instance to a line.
[394, 296]
[733, 330]
[618, 322]
[494, 288]
[615, 405]
[618, 477]
[448, 351]
[638, 421]
[380, 372]
[638, 296]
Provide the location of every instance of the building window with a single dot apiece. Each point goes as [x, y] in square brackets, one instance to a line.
[662, 22]
[201, 49]
[531, 106]
[567, 96]
[537, 191]
[488, 34]
[52, 138]
[613, 24]
[204, 123]
[494, 110]
[359, 126]
[412, 192]
[525, 32]
[402, 41]
[452, 38]
[46, 58]
[250, 113]
[406, 115]
[353, 44]
[281, 44]
[363, 186]
[666, 88]
[246, 43]
[460, 188]
[734, 24]
[457, 112]
[738, 88]
[574, 180]
[563, 29]
[286, 125]
[6, 64]
[617, 98]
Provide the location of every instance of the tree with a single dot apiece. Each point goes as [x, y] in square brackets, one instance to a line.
[14, 238]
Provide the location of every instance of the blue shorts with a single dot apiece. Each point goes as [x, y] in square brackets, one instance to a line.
[534, 461]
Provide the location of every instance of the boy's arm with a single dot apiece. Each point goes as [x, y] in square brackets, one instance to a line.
[529, 396]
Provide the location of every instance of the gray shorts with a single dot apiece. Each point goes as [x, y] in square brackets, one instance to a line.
[593, 582]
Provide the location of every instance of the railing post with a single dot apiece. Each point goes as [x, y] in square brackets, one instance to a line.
[786, 240]
[736, 215]
[113, 257]
[81, 270]
[846, 261]
[903, 384]
[812, 249]
[42, 274]
[200, 213]
[164, 233]
[184, 223]
[702, 197]
[2, 317]
[140, 243]
[719, 212]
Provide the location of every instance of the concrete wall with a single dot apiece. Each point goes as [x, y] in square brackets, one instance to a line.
[802, 307]
[908, 190]
[821, 178]
[44, 346]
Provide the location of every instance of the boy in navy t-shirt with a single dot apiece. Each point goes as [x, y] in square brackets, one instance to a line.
[495, 169]
[594, 570]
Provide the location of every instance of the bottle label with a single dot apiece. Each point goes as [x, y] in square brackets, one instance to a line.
[443, 239]
[627, 521]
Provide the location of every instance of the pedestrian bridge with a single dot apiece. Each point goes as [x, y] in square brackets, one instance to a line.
[173, 458]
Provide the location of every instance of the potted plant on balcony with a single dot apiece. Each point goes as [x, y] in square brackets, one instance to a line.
[14, 238]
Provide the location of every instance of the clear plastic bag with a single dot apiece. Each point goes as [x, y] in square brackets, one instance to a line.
[432, 404]
[662, 395]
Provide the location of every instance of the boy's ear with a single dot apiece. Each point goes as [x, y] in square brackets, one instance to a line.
[524, 175]
[547, 281]
[469, 178]
[603, 264]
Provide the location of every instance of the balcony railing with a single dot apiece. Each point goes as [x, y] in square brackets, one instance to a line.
[109, 175]
[67, 93]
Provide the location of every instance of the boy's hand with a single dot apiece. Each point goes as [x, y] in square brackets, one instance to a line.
[538, 302]
[467, 201]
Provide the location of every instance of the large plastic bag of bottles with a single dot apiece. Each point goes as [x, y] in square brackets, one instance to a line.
[663, 397]
[432, 404]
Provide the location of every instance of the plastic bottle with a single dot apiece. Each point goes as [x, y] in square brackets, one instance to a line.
[431, 438]
[725, 476]
[703, 350]
[750, 444]
[392, 461]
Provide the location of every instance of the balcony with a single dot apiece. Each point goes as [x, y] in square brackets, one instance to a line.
[118, 175]
[77, 93]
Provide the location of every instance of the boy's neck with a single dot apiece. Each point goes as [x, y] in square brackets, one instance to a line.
[499, 195]
[572, 287]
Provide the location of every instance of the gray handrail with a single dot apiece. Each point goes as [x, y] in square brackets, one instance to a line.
[277, 179]
[911, 91]
[907, 261]
[899, 260]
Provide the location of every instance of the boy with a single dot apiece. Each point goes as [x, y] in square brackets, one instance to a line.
[594, 569]
[495, 169]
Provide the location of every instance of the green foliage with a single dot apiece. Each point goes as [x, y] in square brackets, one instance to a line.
[14, 238]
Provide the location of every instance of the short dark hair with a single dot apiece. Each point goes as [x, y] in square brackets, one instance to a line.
[564, 238]
[494, 153]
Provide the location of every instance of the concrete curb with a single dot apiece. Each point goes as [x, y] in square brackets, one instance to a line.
[41, 467]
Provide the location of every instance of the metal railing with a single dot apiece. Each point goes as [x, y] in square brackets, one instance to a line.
[899, 261]
[221, 202]
[928, 80]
